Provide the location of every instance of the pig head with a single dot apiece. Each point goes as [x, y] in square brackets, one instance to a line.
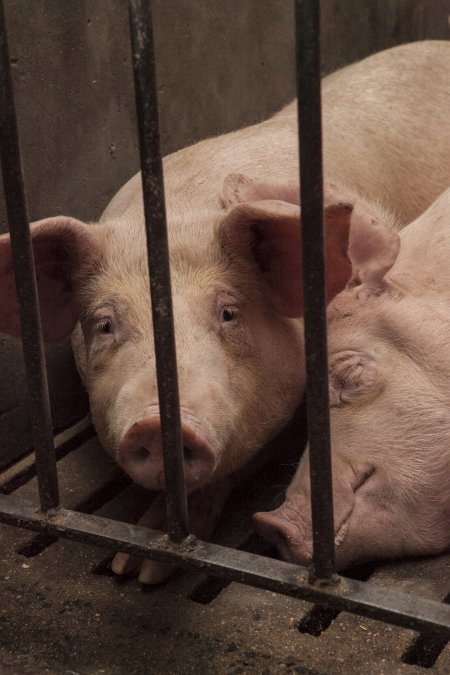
[389, 374]
[238, 347]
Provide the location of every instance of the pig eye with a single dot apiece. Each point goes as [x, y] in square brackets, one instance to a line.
[105, 327]
[352, 375]
[228, 314]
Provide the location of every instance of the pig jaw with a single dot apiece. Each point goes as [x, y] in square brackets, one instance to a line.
[290, 526]
[371, 522]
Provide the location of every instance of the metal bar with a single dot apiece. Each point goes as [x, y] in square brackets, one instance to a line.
[311, 181]
[25, 278]
[362, 598]
[158, 262]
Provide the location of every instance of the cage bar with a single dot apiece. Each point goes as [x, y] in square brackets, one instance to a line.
[401, 609]
[158, 263]
[314, 285]
[25, 279]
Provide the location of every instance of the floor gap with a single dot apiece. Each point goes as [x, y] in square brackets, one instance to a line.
[425, 650]
[320, 618]
[209, 587]
[24, 470]
[93, 502]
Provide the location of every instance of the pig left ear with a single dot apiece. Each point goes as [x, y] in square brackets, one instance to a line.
[373, 250]
[268, 233]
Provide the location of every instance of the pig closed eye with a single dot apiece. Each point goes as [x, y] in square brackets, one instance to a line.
[353, 375]
[350, 377]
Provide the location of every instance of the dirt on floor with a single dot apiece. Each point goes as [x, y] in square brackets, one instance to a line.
[62, 610]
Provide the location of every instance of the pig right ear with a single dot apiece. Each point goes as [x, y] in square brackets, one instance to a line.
[373, 250]
[267, 233]
[64, 250]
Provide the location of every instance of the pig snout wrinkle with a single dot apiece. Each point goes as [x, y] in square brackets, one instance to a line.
[290, 527]
[140, 455]
[287, 536]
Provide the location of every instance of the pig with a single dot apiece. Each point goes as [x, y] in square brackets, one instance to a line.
[233, 222]
[389, 375]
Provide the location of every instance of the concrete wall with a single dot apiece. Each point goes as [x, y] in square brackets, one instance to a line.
[220, 66]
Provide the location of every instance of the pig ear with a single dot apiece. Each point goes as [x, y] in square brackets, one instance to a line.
[373, 250]
[238, 188]
[268, 233]
[64, 248]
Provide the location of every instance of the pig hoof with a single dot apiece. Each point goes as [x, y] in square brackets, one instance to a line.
[153, 572]
[150, 571]
[123, 563]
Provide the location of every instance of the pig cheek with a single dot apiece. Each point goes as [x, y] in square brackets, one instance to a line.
[377, 527]
[370, 535]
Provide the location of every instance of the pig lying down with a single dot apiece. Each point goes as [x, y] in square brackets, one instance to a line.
[389, 372]
[233, 220]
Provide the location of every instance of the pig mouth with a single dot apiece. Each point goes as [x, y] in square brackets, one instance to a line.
[289, 527]
[342, 531]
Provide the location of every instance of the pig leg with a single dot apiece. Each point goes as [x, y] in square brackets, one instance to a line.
[153, 571]
[205, 508]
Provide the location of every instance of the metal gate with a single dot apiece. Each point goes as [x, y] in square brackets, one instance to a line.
[319, 584]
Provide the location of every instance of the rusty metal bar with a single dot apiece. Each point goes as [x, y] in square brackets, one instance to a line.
[362, 598]
[25, 278]
[158, 262]
[311, 181]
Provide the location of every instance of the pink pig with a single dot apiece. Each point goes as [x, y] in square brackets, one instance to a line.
[233, 220]
[389, 373]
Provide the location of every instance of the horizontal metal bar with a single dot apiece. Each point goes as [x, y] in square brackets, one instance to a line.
[158, 263]
[25, 278]
[350, 595]
[314, 287]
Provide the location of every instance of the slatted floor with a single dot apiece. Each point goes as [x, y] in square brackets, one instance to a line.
[61, 610]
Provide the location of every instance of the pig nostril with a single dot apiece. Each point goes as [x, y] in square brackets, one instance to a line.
[141, 454]
[188, 453]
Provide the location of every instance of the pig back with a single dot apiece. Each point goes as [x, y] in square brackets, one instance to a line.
[386, 126]
[386, 135]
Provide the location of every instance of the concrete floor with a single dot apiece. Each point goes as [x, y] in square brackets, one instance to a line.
[61, 610]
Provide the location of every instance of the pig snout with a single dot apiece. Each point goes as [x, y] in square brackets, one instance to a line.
[140, 455]
[289, 527]
[286, 531]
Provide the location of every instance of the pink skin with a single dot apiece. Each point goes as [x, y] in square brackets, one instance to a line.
[233, 221]
[389, 368]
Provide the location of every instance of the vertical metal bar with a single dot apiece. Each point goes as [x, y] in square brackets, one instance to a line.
[16, 208]
[311, 180]
[158, 262]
